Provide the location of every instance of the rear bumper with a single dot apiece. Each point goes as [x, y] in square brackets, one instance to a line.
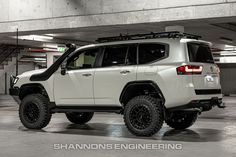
[202, 105]
[14, 91]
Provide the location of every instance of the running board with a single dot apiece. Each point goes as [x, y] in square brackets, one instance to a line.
[64, 109]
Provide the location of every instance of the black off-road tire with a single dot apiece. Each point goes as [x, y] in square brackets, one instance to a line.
[143, 115]
[79, 117]
[34, 111]
[181, 120]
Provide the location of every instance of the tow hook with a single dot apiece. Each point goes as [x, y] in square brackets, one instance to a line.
[218, 102]
[221, 105]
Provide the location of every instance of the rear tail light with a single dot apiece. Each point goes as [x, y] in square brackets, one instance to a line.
[189, 70]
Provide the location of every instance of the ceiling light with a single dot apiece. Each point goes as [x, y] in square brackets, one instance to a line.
[40, 59]
[228, 54]
[34, 37]
[50, 49]
[230, 48]
[226, 40]
[227, 60]
[49, 34]
[50, 45]
[37, 37]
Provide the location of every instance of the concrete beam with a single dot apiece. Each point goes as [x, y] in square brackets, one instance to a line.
[56, 15]
[174, 28]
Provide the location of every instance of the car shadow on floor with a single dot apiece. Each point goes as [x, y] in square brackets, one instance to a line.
[193, 135]
[120, 130]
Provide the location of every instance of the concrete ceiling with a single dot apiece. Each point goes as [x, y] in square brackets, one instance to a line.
[208, 29]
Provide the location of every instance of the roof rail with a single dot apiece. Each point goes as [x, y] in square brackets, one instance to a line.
[152, 35]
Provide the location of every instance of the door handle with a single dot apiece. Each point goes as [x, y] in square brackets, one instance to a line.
[87, 74]
[125, 72]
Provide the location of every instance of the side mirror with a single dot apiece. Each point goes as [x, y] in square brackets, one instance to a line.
[63, 68]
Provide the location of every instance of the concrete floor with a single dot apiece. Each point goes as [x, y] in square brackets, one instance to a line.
[214, 134]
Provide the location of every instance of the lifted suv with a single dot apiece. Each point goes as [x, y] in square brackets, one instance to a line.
[149, 78]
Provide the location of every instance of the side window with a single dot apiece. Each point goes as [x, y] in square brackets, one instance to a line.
[114, 55]
[151, 52]
[82, 60]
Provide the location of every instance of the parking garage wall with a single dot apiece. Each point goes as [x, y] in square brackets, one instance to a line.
[227, 78]
[23, 67]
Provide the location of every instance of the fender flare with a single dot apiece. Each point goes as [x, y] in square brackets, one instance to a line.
[135, 83]
[27, 86]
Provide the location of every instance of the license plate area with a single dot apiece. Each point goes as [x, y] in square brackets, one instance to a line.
[211, 80]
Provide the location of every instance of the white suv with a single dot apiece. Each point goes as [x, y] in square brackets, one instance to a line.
[149, 78]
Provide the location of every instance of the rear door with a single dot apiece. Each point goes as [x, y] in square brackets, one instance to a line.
[118, 67]
[200, 54]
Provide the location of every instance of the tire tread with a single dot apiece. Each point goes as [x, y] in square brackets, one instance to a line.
[44, 108]
[157, 106]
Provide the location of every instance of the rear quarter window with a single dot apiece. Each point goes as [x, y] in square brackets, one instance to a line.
[152, 52]
[199, 53]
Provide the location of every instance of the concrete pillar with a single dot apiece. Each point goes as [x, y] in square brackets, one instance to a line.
[174, 28]
[50, 57]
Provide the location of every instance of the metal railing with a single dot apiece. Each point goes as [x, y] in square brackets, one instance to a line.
[6, 54]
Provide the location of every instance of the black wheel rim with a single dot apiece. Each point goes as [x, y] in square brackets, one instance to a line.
[78, 114]
[140, 117]
[31, 113]
[179, 118]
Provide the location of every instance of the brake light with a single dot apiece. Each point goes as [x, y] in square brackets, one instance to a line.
[189, 70]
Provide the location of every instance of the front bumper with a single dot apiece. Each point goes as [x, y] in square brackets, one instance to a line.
[201, 105]
[14, 91]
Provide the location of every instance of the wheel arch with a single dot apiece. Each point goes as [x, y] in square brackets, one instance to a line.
[134, 88]
[32, 88]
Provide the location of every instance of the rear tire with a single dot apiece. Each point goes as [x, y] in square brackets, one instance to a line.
[181, 120]
[79, 117]
[34, 111]
[143, 115]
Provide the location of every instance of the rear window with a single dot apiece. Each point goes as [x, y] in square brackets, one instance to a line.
[200, 53]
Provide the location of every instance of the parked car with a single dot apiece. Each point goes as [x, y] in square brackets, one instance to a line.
[148, 78]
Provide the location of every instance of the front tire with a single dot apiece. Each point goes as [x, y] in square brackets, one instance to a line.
[181, 120]
[79, 117]
[34, 111]
[143, 115]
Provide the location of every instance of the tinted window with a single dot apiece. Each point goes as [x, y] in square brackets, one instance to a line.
[114, 55]
[199, 53]
[82, 60]
[132, 55]
[151, 52]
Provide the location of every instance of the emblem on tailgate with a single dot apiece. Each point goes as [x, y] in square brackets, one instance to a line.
[209, 78]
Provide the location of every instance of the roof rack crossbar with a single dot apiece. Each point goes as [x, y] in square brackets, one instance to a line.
[151, 35]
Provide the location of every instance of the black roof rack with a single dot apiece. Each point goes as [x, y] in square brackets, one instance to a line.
[152, 35]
